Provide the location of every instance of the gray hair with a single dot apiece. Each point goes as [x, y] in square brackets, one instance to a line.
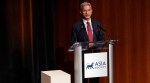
[85, 4]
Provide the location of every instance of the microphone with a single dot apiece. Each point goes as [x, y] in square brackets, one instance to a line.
[101, 28]
[108, 36]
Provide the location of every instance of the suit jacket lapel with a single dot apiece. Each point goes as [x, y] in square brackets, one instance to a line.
[94, 25]
[84, 32]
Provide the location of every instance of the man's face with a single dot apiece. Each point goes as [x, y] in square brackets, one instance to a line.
[86, 12]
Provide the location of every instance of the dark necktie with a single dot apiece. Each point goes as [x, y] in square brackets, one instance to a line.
[89, 32]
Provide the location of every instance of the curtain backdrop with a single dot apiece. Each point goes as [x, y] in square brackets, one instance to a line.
[27, 35]
[125, 20]
[35, 36]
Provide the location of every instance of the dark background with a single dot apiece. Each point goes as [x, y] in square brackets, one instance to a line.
[35, 36]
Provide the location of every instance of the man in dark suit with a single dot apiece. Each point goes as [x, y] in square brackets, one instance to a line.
[87, 30]
[79, 29]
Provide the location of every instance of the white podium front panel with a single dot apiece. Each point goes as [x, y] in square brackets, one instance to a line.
[95, 65]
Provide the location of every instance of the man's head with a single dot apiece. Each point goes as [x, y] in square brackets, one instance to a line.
[86, 10]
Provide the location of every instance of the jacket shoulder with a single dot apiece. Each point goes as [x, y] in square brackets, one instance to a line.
[96, 22]
[77, 24]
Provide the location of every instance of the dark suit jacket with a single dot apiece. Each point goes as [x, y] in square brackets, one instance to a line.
[79, 33]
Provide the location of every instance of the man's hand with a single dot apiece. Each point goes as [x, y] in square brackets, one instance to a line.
[91, 45]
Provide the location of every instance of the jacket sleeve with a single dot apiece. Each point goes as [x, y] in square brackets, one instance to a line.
[73, 35]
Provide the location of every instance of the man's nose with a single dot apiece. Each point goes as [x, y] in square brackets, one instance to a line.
[86, 12]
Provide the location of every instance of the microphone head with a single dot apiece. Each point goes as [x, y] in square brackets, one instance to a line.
[101, 28]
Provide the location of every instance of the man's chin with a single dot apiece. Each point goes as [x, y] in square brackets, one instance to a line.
[87, 18]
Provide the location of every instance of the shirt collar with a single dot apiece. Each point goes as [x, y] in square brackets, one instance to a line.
[85, 21]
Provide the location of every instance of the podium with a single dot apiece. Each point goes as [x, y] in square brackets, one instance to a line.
[100, 66]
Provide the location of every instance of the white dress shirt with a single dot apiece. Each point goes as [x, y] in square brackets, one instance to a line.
[85, 23]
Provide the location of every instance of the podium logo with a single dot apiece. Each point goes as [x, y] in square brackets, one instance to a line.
[90, 66]
[96, 65]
